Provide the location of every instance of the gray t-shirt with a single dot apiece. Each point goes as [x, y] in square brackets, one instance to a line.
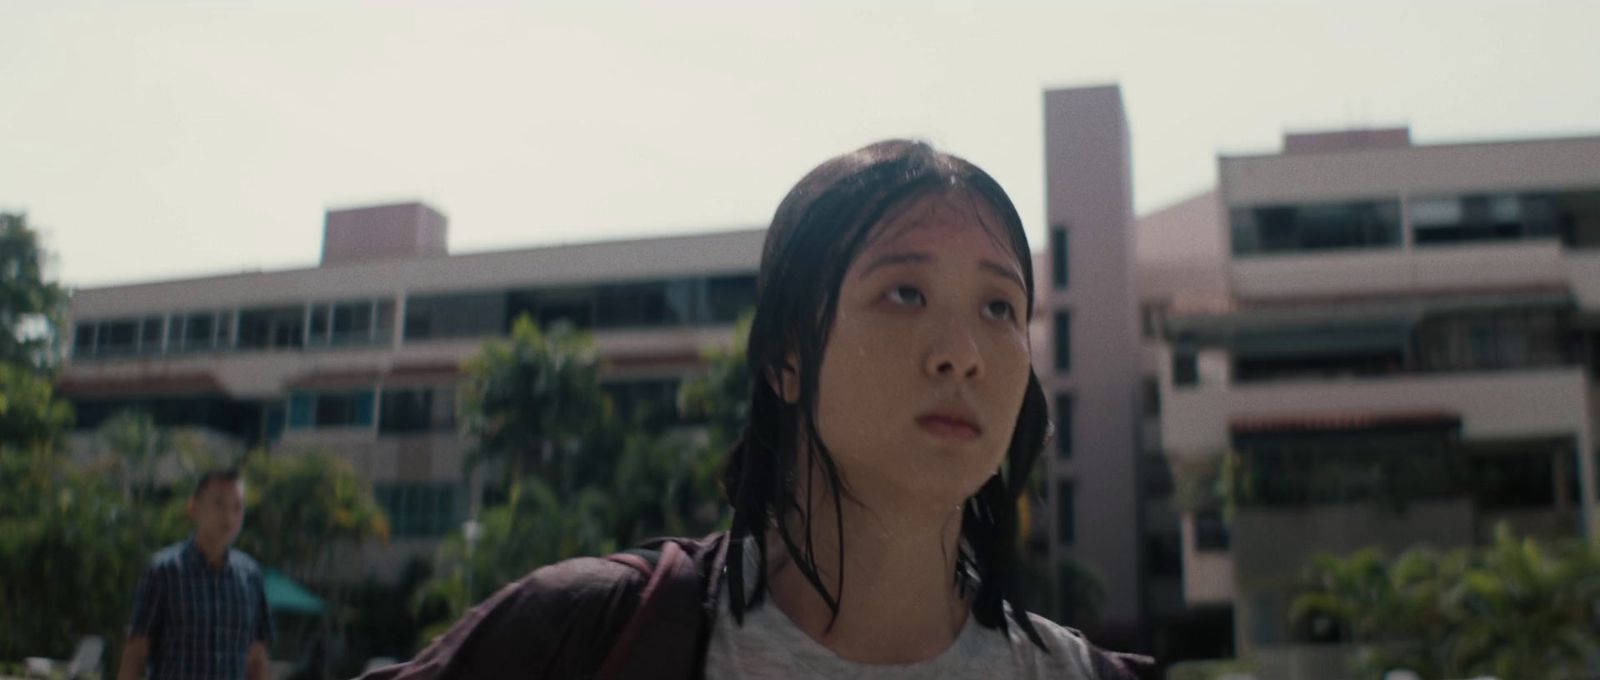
[768, 646]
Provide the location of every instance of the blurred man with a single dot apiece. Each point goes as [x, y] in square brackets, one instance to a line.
[200, 610]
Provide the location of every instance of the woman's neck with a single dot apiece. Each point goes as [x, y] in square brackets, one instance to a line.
[898, 604]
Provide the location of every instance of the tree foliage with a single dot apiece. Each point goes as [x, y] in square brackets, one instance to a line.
[30, 306]
[1512, 609]
[530, 400]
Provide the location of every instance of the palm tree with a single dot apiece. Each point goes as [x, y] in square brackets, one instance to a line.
[529, 401]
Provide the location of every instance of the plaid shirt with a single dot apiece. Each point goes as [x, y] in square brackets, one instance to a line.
[201, 620]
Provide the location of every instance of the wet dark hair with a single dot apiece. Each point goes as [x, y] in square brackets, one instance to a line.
[210, 476]
[816, 233]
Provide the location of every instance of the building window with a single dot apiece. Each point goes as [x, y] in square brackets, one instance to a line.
[1497, 340]
[1315, 227]
[1158, 480]
[729, 296]
[83, 339]
[1066, 517]
[330, 409]
[1210, 531]
[1063, 338]
[118, 338]
[1164, 555]
[644, 305]
[150, 334]
[1064, 408]
[1151, 319]
[418, 409]
[272, 328]
[463, 315]
[420, 510]
[195, 332]
[1151, 396]
[1490, 217]
[351, 322]
[1059, 257]
[1185, 367]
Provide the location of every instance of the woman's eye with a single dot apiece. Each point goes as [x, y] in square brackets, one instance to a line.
[1000, 309]
[905, 295]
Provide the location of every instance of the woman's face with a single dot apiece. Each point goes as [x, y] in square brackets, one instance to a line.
[925, 369]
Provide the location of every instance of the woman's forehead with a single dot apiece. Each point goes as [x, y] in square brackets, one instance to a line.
[928, 219]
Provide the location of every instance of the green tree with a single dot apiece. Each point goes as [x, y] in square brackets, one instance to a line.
[30, 414]
[535, 527]
[135, 445]
[1513, 609]
[529, 402]
[30, 306]
[301, 505]
[71, 548]
[720, 397]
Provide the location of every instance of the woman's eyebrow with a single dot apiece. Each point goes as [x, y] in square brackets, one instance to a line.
[891, 259]
[903, 258]
[1004, 272]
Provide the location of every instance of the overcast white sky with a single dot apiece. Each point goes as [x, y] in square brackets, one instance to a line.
[152, 141]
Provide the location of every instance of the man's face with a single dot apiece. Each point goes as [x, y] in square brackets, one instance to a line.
[218, 511]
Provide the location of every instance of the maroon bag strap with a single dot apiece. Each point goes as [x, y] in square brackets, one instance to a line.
[662, 638]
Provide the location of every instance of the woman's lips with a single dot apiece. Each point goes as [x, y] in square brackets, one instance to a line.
[949, 428]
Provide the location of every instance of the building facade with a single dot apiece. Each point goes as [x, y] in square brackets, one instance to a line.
[360, 356]
[1395, 346]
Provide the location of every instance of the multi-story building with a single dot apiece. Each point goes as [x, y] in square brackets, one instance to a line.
[1353, 320]
[1091, 367]
[360, 355]
[1388, 344]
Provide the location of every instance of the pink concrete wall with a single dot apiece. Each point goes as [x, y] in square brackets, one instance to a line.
[383, 232]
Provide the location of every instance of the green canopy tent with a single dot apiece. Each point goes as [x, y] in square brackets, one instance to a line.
[284, 595]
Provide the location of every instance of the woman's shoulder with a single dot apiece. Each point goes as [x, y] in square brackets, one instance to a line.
[1069, 650]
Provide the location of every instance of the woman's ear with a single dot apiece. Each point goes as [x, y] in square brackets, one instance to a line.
[786, 384]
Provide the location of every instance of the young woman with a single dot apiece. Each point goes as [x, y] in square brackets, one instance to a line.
[892, 425]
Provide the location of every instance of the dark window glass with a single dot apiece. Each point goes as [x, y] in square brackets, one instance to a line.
[272, 328]
[1210, 531]
[1066, 513]
[729, 296]
[175, 332]
[1185, 367]
[1063, 339]
[199, 331]
[1514, 481]
[1059, 259]
[1497, 217]
[417, 410]
[83, 339]
[573, 307]
[352, 322]
[118, 337]
[465, 315]
[1158, 481]
[319, 324]
[342, 409]
[643, 305]
[1064, 408]
[1164, 554]
[150, 334]
[302, 409]
[420, 510]
[1315, 227]
[1151, 390]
